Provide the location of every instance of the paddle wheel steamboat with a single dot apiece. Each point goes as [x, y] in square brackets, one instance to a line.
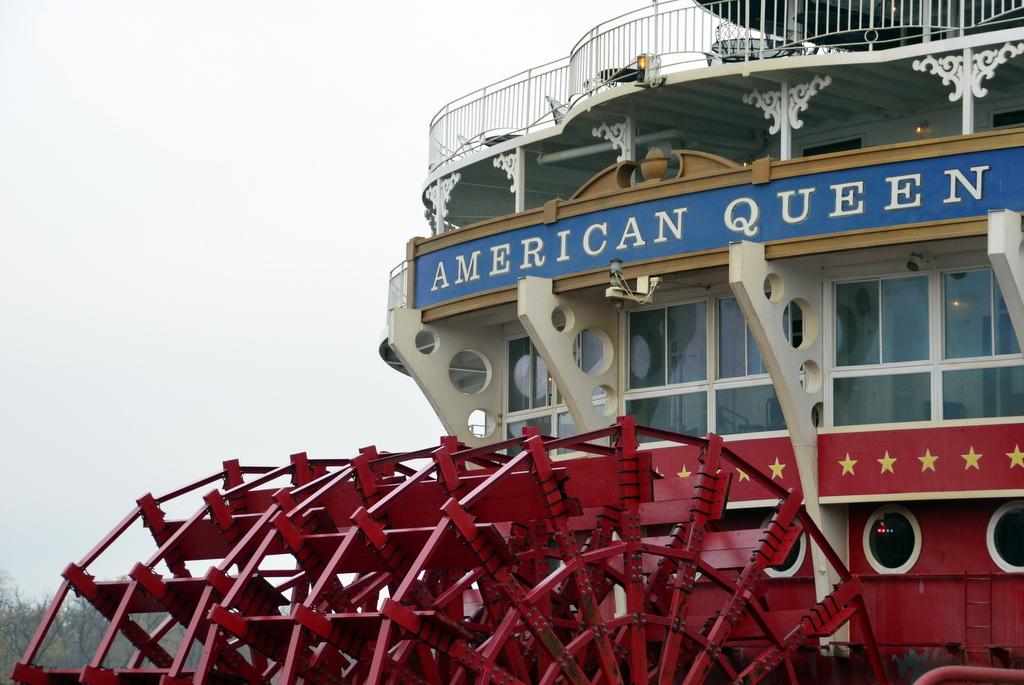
[723, 315]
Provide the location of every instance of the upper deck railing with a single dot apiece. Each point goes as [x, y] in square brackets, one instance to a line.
[685, 36]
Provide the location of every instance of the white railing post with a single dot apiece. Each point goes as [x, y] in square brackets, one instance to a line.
[746, 44]
[529, 98]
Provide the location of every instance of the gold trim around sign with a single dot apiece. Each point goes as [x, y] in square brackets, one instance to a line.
[754, 174]
[719, 257]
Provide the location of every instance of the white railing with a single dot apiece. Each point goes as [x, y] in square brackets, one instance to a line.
[687, 36]
[397, 290]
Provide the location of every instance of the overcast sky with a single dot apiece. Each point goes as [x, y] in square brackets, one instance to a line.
[199, 206]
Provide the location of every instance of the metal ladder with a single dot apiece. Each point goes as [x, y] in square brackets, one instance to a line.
[978, 618]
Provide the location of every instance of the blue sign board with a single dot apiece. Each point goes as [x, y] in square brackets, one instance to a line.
[923, 190]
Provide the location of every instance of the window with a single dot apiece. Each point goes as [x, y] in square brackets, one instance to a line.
[676, 385]
[529, 386]
[893, 360]
[668, 348]
[1006, 537]
[745, 400]
[977, 332]
[531, 397]
[882, 324]
[838, 146]
[1014, 117]
[977, 323]
[892, 539]
[737, 351]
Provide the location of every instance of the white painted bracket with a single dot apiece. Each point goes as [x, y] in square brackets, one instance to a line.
[1006, 253]
[967, 72]
[537, 303]
[514, 166]
[763, 291]
[783, 108]
[438, 195]
[620, 135]
[430, 370]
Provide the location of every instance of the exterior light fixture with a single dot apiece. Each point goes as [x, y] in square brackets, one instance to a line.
[648, 69]
[922, 129]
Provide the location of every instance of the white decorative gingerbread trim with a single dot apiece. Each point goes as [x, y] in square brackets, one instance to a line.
[770, 102]
[798, 99]
[438, 195]
[618, 135]
[986, 61]
[800, 95]
[950, 68]
[509, 163]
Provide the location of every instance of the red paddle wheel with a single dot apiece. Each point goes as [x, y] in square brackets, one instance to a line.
[455, 565]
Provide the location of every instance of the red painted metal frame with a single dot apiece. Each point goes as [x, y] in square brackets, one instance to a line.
[970, 674]
[456, 565]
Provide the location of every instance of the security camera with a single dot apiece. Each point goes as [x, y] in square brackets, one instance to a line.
[915, 261]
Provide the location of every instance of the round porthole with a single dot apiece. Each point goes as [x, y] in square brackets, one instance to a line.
[892, 539]
[794, 560]
[1006, 537]
[469, 371]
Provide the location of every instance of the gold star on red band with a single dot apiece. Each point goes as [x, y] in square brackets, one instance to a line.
[927, 461]
[847, 465]
[887, 463]
[971, 459]
[1016, 457]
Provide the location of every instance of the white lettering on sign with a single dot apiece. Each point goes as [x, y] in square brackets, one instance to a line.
[903, 191]
[633, 235]
[440, 277]
[745, 224]
[787, 213]
[531, 249]
[499, 259]
[563, 253]
[846, 202]
[957, 178]
[464, 272]
[664, 221]
[632, 231]
[587, 247]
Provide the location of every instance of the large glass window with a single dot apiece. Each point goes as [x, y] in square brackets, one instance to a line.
[976, 321]
[683, 413]
[887, 369]
[737, 352]
[742, 405]
[881, 399]
[668, 346]
[881, 321]
[528, 384]
[975, 393]
[748, 409]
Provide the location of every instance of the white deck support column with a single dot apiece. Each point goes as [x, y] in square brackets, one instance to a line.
[431, 370]
[514, 165]
[783, 108]
[749, 277]
[1006, 253]
[537, 303]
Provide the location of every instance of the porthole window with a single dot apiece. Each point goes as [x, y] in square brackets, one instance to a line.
[794, 560]
[1006, 537]
[892, 539]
